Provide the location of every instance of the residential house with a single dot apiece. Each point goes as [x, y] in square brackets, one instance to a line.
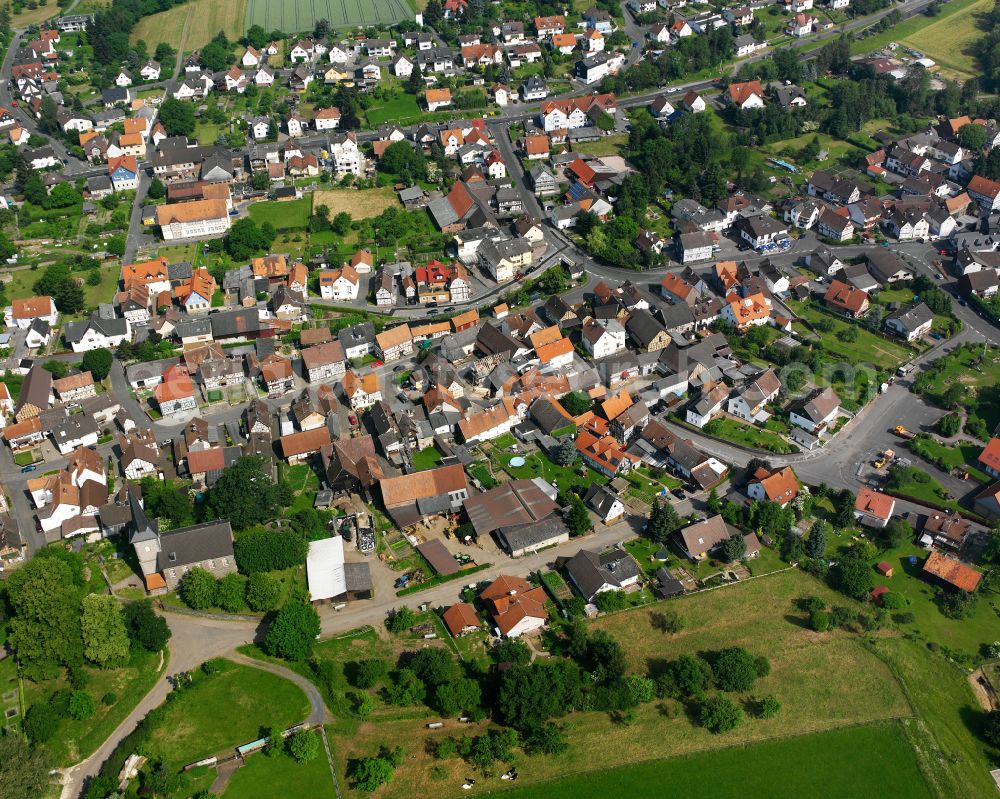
[815, 412]
[872, 508]
[911, 323]
[773, 485]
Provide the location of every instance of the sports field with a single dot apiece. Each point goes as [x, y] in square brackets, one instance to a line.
[949, 41]
[300, 15]
[859, 761]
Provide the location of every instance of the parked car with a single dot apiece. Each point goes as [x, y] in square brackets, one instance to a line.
[29, 468]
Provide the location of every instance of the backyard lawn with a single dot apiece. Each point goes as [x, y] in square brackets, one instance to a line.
[966, 636]
[398, 110]
[224, 710]
[287, 215]
[426, 458]
[868, 348]
[565, 477]
[875, 759]
[606, 145]
[747, 435]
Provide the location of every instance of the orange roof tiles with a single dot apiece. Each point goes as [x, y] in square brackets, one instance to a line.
[952, 571]
[872, 503]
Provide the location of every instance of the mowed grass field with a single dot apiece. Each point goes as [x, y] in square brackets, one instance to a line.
[223, 711]
[949, 41]
[207, 18]
[300, 15]
[360, 204]
[824, 681]
[859, 761]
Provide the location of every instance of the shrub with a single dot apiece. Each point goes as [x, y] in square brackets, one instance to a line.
[719, 714]
[109, 699]
[769, 707]
[81, 705]
[819, 620]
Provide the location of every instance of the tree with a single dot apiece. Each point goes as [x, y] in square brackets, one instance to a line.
[177, 117]
[895, 533]
[546, 739]
[564, 454]
[991, 727]
[230, 593]
[269, 550]
[576, 516]
[263, 592]
[156, 190]
[105, 637]
[687, 676]
[576, 403]
[457, 697]
[734, 548]
[531, 695]
[275, 741]
[406, 688]
[247, 238]
[40, 723]
[245, 494]
[949, 424]
[853, 575]
[45, 628]
[367, 673]
[24, 770]
[719, 714]
[400, 620]
[97, 362]
[145, 628]
[293, 631]
[972, 137]
[213, 56]
[816, 542]
[512, 650]
[257, 37]
[197, 589]
[401, 158]
[734, 669]
[304, 746]
[69, 297]
[713, 504]
[663, 521]
[369, 773]
[434, 666]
